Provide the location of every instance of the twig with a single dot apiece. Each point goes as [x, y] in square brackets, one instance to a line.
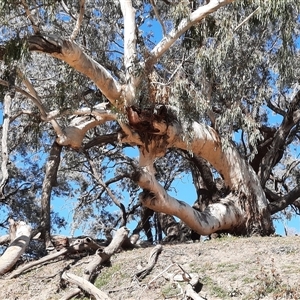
[165, 270]
[254, 12]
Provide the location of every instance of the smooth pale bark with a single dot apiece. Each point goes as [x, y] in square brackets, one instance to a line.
[233, 212]
[130, 59]
[74, 134]
[16, 248]
[69, 52]
[4, 239]
[195, 17]
[206, 143]
[225, 215]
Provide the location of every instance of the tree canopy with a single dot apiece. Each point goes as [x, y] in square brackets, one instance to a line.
[207, 88]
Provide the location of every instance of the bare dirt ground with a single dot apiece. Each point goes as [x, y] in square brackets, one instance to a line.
[228, 268]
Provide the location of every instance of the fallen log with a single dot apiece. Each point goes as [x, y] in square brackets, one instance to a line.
[80, 245]
[85, 285]
[100, 257]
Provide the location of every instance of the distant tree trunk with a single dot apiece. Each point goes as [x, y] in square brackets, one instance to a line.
[5, 128]
[50, 180]
[20, 237]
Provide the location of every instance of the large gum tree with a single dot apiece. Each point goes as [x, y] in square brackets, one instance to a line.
[205, 86]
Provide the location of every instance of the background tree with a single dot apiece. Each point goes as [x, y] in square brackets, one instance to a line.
[214, 93]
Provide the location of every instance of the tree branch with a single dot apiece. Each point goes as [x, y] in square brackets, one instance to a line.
[158, 17]
[103, 139]
[291, 118]
[107, 189]
[279, 203]
[69, 52]
[224, 215]
[39, 103]
[85, 285]
[183, 26]
[79, 20]
[130, 37]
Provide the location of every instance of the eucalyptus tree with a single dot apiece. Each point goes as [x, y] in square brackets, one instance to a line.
[213, 83]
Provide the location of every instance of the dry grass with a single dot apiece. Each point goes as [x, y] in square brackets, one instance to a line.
[229, 268]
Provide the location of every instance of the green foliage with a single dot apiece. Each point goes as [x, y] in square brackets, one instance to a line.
[16, 49]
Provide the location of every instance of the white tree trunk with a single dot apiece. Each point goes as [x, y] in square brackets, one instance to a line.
[245, 205]
[20, 240]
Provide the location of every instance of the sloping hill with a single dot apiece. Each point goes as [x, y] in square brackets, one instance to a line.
[228, 268]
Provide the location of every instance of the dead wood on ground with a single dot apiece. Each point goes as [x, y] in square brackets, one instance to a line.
[151, 262]
[85, 285]
[79, 246]
[100, 257]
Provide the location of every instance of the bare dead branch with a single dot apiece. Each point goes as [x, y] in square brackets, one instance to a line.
[85, 285]
[100, 258]
[80, 245]
[151, 262]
